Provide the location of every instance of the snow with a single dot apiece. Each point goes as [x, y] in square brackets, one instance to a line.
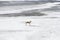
[19, 9]
[41, 28]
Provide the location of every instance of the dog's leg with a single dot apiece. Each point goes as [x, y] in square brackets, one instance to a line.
[26, 24]
[29, 24]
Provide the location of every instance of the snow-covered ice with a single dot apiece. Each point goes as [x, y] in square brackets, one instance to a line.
[41, 28]
[19, 9]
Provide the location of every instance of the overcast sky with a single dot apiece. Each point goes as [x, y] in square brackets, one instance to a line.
[18, 0]
[21, 0]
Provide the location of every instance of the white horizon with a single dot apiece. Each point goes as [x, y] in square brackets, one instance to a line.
[19, 0]
[29, 0]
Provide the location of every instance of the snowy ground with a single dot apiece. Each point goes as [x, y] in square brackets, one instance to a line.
[18, 9]
[42, 27]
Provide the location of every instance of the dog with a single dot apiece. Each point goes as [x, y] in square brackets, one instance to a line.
[28, 22]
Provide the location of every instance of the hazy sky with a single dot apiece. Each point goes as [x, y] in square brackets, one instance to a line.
[21, 0]
[18, 0]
